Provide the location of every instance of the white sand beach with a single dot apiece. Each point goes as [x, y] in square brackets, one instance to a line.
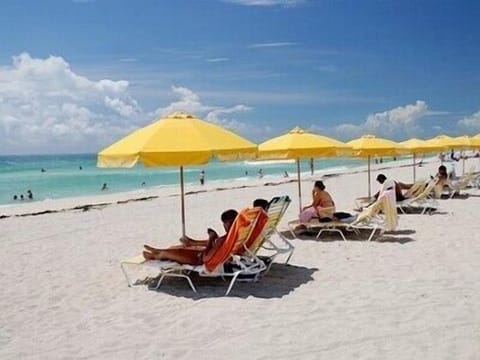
[413, 294]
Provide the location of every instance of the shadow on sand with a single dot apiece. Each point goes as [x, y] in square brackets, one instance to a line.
[363, 234]
[280, 281]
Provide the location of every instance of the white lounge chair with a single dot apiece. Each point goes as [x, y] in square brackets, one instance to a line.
[379, 216]
[248, 222]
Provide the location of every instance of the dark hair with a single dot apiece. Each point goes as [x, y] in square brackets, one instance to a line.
[229, 215]
[381, 178]
[261, 203]
[319, 184]
[442, 168]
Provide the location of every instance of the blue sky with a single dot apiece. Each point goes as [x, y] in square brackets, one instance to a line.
[75, 75]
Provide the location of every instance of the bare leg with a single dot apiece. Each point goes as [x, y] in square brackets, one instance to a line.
[182, 256]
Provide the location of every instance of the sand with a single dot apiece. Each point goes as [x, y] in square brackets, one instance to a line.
[414, 294]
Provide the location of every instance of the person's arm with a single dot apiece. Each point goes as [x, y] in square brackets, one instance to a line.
[187, 241]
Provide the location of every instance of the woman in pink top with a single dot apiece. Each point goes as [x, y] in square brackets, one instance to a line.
[322, 205]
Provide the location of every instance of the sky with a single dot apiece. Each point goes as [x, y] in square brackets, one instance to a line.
[76, 75]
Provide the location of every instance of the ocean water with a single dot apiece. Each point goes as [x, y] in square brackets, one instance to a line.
[77, 175]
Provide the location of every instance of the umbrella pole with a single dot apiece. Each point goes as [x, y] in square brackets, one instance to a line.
[299, 186]
[182, 190]
[414, 165]
[463, 163]
[369, 191]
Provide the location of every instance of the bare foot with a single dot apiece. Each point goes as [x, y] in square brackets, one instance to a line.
[151, 249]
[148, 255]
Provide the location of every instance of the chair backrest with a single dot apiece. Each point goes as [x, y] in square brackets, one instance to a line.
[427, 191]
[260, 219]
[238, 233]
[276, 209]
[416, 189]
[384, 203]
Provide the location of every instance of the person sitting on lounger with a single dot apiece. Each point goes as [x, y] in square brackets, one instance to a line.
[382, 179]
[193, 251]
[441, 180]
[322, 205]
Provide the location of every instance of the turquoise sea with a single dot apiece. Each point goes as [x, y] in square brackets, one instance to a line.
[77, 175]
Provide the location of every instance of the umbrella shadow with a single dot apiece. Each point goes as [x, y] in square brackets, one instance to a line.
[281, 280]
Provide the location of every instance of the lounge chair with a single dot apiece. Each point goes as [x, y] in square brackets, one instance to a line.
[456, 186]
[276, 209]
[249, 222]
[425, 200]
[370, 218]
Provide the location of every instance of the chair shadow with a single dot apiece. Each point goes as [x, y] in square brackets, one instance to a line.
[463, 196]
[417, 210]
[281, 280]
[387, 237]
[394, 239]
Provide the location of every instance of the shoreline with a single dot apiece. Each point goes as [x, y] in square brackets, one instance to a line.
[86, 203]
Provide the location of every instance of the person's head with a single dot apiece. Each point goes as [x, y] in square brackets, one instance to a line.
[442, 170]
[228, 217]
[261, 203]
[381, 178]
[15, 197]
[319, 185]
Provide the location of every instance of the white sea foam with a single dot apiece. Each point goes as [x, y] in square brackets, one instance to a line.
[268, 162]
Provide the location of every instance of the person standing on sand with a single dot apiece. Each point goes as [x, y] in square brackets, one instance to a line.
[202, 177]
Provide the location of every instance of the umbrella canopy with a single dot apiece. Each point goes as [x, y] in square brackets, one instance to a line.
[370, 145]
[417, 146]
[475, 140]
[179, 139]
[467, 142]
[444, 142]
[298, 144]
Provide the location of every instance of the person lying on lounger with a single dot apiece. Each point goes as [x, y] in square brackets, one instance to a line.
[399, 186]
[193, 251]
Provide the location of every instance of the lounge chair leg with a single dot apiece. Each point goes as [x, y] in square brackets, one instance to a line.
[126, 275]
[234, 278]
[165, 274]
[373, 233]
[288, 258]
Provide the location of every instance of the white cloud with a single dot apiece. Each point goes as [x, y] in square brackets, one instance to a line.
[471, 123]
[285, 3]
[47, 107]
[126, 108]
[272, 44]
[215, 60]
[397, 123]
[190, 101]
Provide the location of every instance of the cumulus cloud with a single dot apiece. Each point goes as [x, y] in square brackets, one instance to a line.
[285, 3]
[47, 107]
[399, 122]
[191, 102]
[470, 123]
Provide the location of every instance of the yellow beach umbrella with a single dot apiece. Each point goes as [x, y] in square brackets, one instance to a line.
[465, 142]
[370, 145]
[417, 146]
[299, 144]
[476, 140]
[179, 139]
[443, 143]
